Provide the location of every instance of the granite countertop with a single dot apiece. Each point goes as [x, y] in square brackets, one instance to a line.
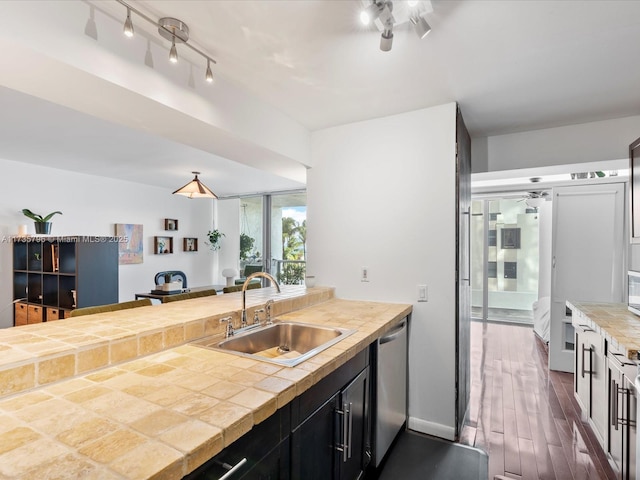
[614, 321]
[161, 415]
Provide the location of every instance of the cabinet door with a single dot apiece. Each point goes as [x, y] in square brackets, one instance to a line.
[599, 399]
[616, 411]
[274, 465]
[629, 434]
[313, 444]
[353, 423]
[582, 378]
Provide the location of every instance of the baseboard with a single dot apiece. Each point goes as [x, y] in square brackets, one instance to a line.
[431, 428]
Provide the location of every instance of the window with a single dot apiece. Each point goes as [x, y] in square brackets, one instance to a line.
[510, 270]
[492, 239]
[275, 243]
[510, 238]
[492, 270]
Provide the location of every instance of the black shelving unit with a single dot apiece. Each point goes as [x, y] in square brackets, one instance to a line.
[48, 270]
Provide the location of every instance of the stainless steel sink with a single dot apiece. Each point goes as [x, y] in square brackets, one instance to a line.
[282, 343]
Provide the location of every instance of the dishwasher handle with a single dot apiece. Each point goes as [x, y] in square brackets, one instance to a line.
[395, 333]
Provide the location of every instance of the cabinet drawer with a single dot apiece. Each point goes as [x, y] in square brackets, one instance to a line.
[20, 312]
[34, 314]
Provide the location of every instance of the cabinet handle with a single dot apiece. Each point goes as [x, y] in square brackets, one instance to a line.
[350, 414]
[583, 371]
[586, 328]
[613, 398]
[233, 469]
[342, 446]
[620, 362]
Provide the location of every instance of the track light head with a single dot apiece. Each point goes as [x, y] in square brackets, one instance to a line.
[209, 74]
[173, 53]
[369, 14]
[420, 25]
[128, 25]
[386, 40]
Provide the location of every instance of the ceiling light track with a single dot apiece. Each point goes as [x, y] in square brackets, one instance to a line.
[172, 29]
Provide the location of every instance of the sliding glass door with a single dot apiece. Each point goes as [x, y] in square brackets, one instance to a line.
[505, 259]
[273, 233]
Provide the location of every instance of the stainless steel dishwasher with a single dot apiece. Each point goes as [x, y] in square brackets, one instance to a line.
[391, 389]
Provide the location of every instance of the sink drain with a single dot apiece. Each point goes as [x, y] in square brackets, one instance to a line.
[283, 349]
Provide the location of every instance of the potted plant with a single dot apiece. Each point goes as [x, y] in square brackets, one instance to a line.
[214, 239]
[42, 224]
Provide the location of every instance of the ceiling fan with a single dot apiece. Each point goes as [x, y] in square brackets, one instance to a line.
[536, 198]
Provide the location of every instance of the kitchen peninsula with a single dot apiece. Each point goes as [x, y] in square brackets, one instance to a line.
[607, 342]
[122, 395]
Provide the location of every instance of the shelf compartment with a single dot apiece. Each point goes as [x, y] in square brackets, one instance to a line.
[66, 287]
[34, 256]
[34, 288]
[20, 255]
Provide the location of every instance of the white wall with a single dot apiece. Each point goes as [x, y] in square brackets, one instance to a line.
[381, 194]
[586, 142]
[92, 206]
[228, 221]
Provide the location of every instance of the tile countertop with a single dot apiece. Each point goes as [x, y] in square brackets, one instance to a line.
[162, 415]
[618, 325]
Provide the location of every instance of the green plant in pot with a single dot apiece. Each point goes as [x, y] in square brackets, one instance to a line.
[214, 239]
[42, 223]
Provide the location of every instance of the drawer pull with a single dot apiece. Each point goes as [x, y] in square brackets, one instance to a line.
[233, 469]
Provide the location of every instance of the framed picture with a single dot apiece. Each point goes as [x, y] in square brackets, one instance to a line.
[129, 243]
[170, 224]
[190, 244]
[510, 238]
[162, 245]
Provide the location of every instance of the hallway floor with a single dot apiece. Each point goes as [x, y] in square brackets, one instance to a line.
[524, 416]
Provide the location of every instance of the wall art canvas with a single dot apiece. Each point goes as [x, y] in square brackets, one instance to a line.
[129, 243]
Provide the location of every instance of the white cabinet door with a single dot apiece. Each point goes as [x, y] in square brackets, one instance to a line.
[587, 260]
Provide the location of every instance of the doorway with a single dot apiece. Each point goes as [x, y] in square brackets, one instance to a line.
[505, 258]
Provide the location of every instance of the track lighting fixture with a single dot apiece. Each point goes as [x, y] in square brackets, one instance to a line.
[128, 25]
[195, 189]
[383, 15]
[172, 29]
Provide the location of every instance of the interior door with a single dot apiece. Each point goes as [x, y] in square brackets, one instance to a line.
[588, 255]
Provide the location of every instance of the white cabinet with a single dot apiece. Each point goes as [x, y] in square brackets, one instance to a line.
[590, 384]
[621, 445]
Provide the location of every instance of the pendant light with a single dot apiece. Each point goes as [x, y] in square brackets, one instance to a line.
[195, 189]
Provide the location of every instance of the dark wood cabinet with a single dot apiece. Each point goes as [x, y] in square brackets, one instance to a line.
[53, 275]
[333, 441]
[261, 454]
[322, 434]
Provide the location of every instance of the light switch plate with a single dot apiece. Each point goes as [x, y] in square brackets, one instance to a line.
[422, 293]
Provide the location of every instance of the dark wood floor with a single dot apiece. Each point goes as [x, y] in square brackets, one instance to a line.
[524, 416]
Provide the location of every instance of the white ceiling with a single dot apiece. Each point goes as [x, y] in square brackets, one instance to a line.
[513, 65]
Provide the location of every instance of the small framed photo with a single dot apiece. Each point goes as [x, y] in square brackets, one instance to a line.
[162, 245]
[190, 244]
[170, 224]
